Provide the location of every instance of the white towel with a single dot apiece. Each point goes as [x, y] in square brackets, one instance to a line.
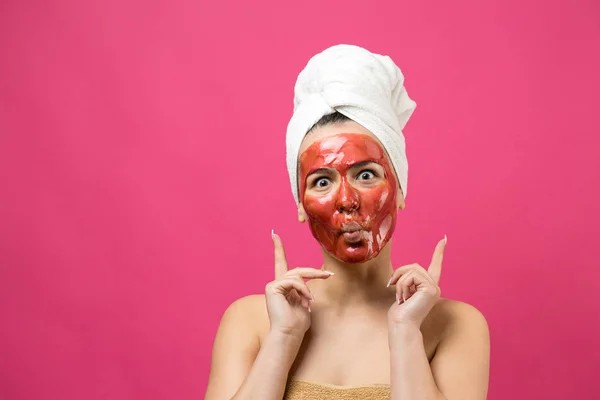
[366, 87]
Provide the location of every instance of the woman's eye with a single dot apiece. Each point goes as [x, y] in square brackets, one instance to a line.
[366, 175]
[322, 182]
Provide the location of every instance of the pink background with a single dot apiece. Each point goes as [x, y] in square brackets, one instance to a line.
[142, 169]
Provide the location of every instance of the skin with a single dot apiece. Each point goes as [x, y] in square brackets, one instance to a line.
[368, 323]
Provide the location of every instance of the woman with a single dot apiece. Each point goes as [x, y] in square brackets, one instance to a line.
[357, 328]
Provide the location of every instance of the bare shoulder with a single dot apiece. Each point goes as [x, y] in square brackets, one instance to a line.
[450, 317]
[457, 309]
[248, 304]
[249, 313]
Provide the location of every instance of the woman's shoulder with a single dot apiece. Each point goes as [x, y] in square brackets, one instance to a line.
[248, 312]
[457, 309]
[250, 303]
[452, 316]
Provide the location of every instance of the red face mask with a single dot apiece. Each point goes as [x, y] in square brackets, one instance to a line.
[348, 190]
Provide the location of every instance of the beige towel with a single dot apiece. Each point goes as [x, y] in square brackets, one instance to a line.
[305, 390]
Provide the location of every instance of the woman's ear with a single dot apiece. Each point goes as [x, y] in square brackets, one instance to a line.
[400, 200]
[302, 217]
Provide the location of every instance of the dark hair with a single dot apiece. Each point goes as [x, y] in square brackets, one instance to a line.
[328, 119]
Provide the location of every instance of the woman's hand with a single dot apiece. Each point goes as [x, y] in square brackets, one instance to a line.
[417, 289]
[288, 298]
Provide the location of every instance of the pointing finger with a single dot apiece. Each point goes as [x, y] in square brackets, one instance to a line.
[281, 266]
[435, 268]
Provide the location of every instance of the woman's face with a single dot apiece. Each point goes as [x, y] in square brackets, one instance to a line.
[348, 191]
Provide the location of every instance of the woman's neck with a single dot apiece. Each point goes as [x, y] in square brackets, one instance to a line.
[355, 284]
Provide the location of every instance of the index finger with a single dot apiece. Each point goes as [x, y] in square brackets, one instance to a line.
[435, 268]
[281, 266]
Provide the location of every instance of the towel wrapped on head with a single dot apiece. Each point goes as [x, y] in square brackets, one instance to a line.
[368, 88]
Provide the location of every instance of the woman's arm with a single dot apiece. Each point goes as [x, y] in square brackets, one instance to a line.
[268, 376]
[459, 369]
[461, 364]
[411, 376]
[243, 369]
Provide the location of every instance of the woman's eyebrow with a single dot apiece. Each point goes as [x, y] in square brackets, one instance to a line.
[363, 164]
[319, 171]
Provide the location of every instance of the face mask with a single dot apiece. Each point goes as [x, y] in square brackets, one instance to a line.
[348, 190]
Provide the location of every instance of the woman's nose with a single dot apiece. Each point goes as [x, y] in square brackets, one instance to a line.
[347, 199]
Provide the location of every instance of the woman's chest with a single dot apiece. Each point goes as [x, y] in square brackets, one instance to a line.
[347, 355]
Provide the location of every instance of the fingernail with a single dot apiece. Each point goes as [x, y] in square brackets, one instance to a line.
[403, 299]
[389, 282]
[313, 296]
[309, 310]
[445, 239]
[330, 273]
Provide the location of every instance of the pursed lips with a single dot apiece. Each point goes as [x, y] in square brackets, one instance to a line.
[351, 227]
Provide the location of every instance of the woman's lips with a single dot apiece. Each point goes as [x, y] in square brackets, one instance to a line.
[352, 232]
[353, 237]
